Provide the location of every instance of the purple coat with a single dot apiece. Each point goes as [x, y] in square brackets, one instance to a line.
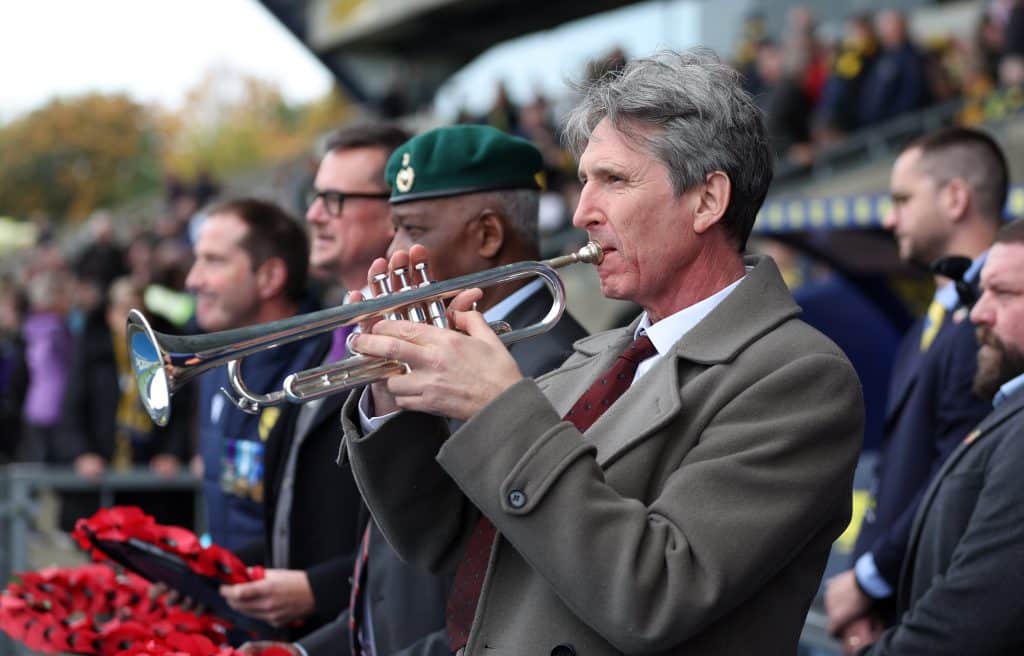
[48, 349]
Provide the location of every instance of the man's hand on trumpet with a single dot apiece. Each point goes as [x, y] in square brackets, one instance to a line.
[452, 373]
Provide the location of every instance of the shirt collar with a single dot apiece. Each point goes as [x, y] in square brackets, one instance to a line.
[947, 296]
[1008, 389]
[672, 328]
[504, 307]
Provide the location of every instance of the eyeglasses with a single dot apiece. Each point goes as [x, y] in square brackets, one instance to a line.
[333, 200]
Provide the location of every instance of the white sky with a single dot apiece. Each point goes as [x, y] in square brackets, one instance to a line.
[155, 50]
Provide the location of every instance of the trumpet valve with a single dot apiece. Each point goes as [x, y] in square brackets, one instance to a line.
[400, 274]
[435, 308]
[382, 282]
[413, 312]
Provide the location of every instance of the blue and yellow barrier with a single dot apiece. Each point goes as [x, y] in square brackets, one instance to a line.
[843, 212]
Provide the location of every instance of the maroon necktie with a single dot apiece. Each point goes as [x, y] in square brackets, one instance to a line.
[469, 577]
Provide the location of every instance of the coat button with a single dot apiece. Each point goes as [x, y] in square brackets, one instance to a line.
[517, 498]
[563, 650]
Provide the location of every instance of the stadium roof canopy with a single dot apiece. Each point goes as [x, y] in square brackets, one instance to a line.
[387, 51]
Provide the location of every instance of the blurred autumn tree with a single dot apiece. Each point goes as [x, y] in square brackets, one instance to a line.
[75, 155]
[230, 123]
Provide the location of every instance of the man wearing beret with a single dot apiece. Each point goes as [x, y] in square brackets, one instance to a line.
[470, 193]
[675, 486]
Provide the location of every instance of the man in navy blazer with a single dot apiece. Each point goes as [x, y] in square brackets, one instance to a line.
[313, 513]
[948, 191]
[963, 568]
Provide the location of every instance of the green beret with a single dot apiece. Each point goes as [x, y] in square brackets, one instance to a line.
[462, 159]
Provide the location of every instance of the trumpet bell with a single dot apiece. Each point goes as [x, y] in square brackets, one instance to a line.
[147, 360]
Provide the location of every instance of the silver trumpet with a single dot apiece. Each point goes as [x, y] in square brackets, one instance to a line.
[163, 363]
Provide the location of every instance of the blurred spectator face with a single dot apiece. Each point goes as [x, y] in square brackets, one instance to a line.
[140, 260]
[990, 34]
[892, 29]
[171, 262]
[769, 64]
[1011, 71]
[343, 246]
[999, 316]
[49, 291]
[916, 219]
[183, 209]
[88, 294]
[123, 297]
[10, 312]
[226, 286]
[801, 21]
[48, 257]
[101, 228]
[533, 117]
[859, 33]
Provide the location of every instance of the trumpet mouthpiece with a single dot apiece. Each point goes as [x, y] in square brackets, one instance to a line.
[591, 253]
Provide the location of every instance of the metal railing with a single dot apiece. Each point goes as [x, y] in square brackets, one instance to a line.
[20, 505]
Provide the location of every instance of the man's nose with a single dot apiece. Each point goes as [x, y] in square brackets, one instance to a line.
[980, 314]
[889, 218]
[193, 279]
[587, 213]
[315, 212]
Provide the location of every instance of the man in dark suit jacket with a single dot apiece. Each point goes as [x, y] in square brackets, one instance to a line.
[961, 583]
[407, 603]
[948, 190]
[313, 510]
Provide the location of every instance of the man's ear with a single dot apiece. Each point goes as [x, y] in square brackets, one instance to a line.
[712, 201]
[956, 196]
[271, 278]
[491, 234]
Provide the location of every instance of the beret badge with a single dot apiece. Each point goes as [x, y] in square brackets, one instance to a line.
[406, 175]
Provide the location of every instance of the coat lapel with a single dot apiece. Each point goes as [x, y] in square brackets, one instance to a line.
[569, 382]
[656, 398]
[904, 376]
[908, 366]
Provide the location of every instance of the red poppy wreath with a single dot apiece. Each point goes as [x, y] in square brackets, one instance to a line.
[96, 609]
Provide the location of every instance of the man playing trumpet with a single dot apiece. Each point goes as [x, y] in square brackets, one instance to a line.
[675, 485]
[471, 193]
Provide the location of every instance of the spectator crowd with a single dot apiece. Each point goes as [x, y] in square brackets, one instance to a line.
[813, 91]
[721, 391]
[67, 394]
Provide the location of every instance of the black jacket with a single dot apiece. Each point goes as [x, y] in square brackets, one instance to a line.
[89, 418]
[408, 604]
[326, 521]
[962, 578]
